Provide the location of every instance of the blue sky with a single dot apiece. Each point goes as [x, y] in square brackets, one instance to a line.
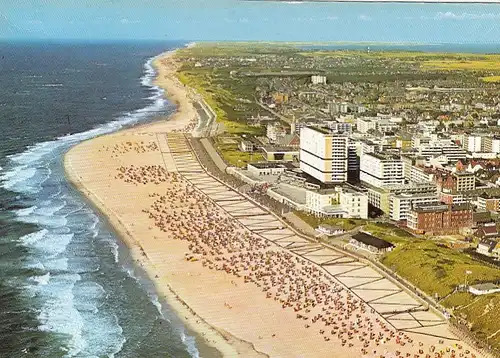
[238, 20]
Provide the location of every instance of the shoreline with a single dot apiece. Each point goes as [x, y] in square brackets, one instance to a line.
[223, 342]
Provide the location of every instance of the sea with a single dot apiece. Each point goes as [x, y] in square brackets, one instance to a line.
[68, 287]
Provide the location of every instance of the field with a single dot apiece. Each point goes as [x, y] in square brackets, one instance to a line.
[234, 157]
[475, 65]
[491, 79]
[439, 270]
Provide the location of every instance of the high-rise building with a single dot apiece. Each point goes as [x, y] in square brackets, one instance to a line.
[324, 154]
[380, 170]
[472, 143]
[491, 144]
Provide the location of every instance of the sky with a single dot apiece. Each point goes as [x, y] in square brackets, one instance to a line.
[211, 20]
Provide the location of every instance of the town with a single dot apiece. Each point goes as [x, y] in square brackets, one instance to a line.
[391, 155]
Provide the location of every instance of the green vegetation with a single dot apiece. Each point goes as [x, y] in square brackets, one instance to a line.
[313, 221]
[490, 64]
[437, 269]
[234, 157]
[388, 232]
[491, 79]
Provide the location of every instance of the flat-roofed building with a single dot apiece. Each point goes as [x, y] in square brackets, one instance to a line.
[440, 218]
[420, 174]
[341, 202]
[381, 170]
[487, 202]
[380, 198]
[472, 143]
[491, 144]
[288, 154]
[324, 154]
[410, 160]
[457, 182]
[401, 204]
[370, 243]
[366, 124]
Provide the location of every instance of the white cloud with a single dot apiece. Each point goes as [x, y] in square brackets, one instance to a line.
[332, 18]
[128, 21]
[465, 16]
[364, 17]
[35, 22]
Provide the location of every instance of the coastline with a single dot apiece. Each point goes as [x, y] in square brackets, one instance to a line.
[223, 342]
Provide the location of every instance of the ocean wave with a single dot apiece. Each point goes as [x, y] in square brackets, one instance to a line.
[58, 313]
[61, 251]
[190, 344]
[43, 279]
[26, 211]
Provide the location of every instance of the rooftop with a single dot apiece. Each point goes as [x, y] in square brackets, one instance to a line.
[371, 240]
[485, 286]
[383, 156]
[274, 149]
[433, 207]
[326, 130]
[268, 165]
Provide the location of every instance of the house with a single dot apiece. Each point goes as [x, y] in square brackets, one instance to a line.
[330, 230]
[488, 247]
[484, 289]
[246, 146]
[365, 241]
[488, 231]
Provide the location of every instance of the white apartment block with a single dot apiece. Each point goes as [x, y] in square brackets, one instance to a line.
[324, 154]
[472, 143]
[343, 127]
[446, 147]
[492, 144]
[400, 204]
[381, 170]
[421, 175]
[387, 126]
[336, 107]
[365, 124]
[317, 79]
[338, 202]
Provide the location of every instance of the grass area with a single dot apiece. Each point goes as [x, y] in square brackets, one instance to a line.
[491, 79]
[453, 65]
[220, 99]
[388, 232]
[435, 268]
[313, 221]
[234, 157]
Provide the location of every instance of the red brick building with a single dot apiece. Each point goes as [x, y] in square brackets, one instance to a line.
[440, 218]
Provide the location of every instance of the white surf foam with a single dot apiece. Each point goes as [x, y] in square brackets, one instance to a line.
[26, 211]
[42, 280]
[59, 314]
[190, 344]
[26, 173]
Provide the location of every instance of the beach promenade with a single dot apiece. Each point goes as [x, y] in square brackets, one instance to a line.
[234, 271]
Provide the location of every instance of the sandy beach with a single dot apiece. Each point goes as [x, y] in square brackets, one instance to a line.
[246, 295]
